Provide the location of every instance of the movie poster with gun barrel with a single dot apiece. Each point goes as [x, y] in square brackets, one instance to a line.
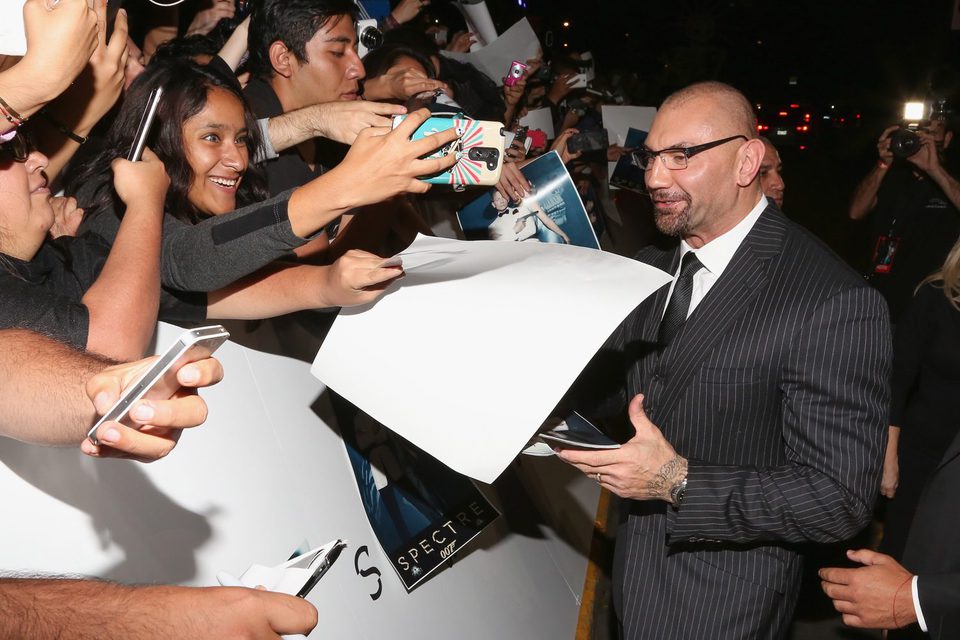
[422, 512]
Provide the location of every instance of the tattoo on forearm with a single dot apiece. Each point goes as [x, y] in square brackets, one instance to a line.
[668, 475]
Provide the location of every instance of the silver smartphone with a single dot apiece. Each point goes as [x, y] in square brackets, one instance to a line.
[160, 380]
[146, 121]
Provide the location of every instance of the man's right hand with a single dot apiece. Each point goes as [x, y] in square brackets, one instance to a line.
[161, 421]
[229, 613]
[108, 610]
[343, 121]
[883, 145]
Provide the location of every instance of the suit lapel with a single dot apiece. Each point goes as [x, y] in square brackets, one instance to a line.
[727, 301]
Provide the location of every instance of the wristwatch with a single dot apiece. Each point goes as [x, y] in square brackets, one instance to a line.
[677, 492]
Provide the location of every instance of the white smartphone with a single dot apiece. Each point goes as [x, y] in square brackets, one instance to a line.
[160, 380]
[146, 122]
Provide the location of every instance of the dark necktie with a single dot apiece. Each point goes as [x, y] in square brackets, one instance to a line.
[679, 305]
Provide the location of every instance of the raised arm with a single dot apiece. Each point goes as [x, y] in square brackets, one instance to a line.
[69, 119]
[865, 195]
[338, 121]
[123, 301]
[59, 43]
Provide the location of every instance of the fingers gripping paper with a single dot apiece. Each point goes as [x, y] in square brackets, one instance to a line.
[468, 354]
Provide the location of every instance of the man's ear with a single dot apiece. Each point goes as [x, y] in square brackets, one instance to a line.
[282, 59]
[748, 161]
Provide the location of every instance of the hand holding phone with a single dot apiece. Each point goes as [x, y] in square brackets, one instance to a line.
[159, 382]
[146, 122]
[588, 141]
[478, 148]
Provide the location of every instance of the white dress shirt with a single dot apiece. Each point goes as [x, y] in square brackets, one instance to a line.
[715, 256]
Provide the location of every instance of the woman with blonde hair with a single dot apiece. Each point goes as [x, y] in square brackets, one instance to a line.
[924, 412]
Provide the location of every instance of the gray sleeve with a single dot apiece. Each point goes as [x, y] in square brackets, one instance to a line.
[222, 249]
[267, 152]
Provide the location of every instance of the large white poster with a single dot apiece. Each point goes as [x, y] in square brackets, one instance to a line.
[266, 473]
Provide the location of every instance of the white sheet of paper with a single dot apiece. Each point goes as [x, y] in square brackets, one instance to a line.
[13, 41]
[540, 119]
[519, 42]
[618, 120]
[288, 577]
[467, 355]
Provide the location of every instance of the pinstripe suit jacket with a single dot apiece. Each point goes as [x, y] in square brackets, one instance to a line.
[776, 390]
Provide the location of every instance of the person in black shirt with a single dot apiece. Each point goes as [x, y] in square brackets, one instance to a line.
[79, 290]
[913, 208]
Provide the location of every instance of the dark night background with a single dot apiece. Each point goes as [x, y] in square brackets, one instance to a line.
[855, 61]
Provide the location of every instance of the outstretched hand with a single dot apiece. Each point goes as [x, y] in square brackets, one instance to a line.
[358, 277]
[644, 468]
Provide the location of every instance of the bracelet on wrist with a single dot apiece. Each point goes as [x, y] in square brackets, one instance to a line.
[62, 128]
[11, 114]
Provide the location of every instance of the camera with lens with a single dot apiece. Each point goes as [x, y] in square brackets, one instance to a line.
[904, 142]
[369, 37]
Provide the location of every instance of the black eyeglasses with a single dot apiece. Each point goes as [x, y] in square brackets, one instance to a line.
[675, 158]
[16, 149]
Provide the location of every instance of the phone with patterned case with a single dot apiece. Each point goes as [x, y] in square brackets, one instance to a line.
[479, 150]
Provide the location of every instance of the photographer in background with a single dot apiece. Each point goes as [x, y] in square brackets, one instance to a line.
[913, 204]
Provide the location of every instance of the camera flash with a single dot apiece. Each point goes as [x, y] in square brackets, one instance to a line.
[914, 111]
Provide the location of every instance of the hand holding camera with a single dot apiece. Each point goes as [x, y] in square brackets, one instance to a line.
[562, 146]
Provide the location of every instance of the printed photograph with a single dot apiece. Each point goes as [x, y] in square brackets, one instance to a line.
[421, 511]
[551, 211]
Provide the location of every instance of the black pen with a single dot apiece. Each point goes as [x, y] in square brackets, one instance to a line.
[322, 568]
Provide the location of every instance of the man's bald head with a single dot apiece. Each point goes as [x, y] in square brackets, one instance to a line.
[731, 111]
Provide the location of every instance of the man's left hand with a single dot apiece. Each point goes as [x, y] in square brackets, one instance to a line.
[644, 468]
[927, 158]
[875, 596]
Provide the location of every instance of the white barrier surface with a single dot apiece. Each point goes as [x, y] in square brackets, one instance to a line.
[265, 473]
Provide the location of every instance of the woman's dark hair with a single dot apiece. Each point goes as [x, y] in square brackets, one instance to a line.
[187, 47]
[186, 86]
[378, 62]
[473, 90]
[292, 22]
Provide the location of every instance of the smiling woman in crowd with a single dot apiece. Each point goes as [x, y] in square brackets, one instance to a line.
[218, 261]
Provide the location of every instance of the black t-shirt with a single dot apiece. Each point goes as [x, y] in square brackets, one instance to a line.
[913, 227]
[288, 170]
[44, 294]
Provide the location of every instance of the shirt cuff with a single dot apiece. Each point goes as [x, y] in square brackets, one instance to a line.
[916, 604]
[267, 151]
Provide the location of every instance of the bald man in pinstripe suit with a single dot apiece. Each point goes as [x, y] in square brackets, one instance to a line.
[763, 370]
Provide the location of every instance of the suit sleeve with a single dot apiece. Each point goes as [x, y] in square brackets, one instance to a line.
[835, 397]
[940, 600]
